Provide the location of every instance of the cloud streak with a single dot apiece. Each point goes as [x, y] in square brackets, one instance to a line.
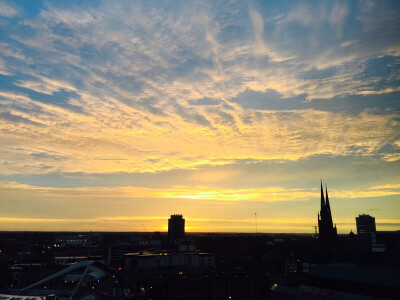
[267, 194]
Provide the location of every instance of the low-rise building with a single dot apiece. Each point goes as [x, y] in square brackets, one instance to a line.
[155, 260]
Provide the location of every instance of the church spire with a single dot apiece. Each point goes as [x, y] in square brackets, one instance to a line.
[327, 231]
[328, 207]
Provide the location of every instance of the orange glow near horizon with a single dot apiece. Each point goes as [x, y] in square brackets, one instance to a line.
[222, 206]
[150, 224]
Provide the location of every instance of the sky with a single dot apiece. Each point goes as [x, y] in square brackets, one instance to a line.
[116, 114]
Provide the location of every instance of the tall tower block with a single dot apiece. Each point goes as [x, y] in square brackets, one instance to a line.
[176, 228]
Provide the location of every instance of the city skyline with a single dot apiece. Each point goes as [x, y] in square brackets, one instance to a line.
[114, 116]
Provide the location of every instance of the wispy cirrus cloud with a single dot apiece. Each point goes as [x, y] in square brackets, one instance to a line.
[267, 194]
[117, 130]
[7, 10]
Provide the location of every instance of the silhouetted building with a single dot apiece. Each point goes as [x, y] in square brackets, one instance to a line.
[159, 260]
[72, 239]
[365, 225]
[391, 240]
[176, 228]
[327, 232]
[343, 281]
[366, 233]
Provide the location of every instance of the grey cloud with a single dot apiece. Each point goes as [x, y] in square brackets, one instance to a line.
[269, 100]
[205, 101]
[18, 119]
[191, 117]
[355, 104]
[223, 117]
[150, 104]
[227, 106]
[380, 23]
[384, 66]
[349, 104]
[318, 74]
[199, 119]
[338, 171]
[380, 73]
[45, 155]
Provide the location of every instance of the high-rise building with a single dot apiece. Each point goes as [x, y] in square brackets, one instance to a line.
[327, 232]
[176, 228]
[365, 224]
[366, 231]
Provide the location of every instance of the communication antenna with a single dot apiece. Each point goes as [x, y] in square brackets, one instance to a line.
[144, 228]
[255, 216]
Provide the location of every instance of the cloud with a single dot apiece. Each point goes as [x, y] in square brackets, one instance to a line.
[260, 46]
[200, 193]
[205, 101]
[268, 100]
[367, 171]
[114, 132]
[7, 10]
[377, 102]
[319, 74]
[380, 92]
[13, 52]
[193, 51]
[38, 87]
[46, 85]
[7, 116]
[266, 194]
[375, 191]
[3, 69]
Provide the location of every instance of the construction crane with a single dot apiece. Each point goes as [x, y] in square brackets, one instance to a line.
[316, 232]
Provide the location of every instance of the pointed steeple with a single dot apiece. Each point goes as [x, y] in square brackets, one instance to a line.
[327, 231]
[328, 207]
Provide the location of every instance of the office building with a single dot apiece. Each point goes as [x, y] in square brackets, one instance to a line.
[366, 231]
[176, 228]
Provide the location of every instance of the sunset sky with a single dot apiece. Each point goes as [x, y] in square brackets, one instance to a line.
[116, 114]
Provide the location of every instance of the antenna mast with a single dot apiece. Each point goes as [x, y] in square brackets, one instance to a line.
[255, 216]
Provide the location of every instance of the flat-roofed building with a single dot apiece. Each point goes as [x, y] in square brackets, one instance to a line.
[176, 229]
[366, 232]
